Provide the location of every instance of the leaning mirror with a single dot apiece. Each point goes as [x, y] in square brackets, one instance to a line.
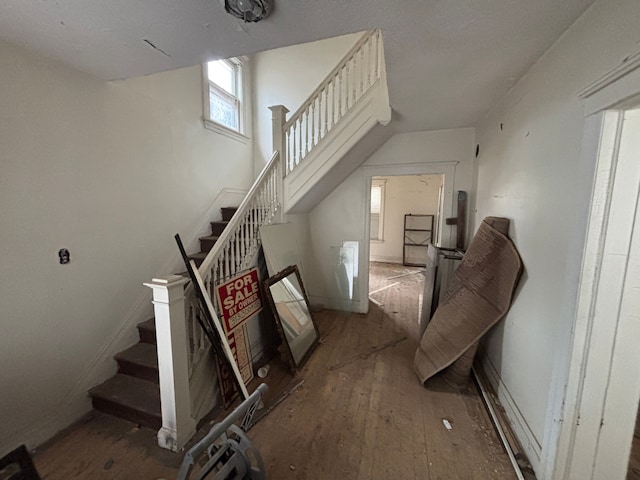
[290, 306]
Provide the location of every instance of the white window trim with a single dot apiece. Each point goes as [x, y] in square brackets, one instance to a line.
[241, 88]
[379, 183]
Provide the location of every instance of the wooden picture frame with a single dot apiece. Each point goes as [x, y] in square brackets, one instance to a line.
[295, 323]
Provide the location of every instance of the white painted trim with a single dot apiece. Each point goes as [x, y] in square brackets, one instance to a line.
[624, 85]
[225, 131]
[380, 183]
[599, 305]
[243, 87]
[516, 420]
[178, 424]
[589, 278]
[628, 65]
[573, 426]
[497, 426]
[322, 158]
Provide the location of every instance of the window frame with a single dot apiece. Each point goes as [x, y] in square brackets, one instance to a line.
[238, 65]
[378, 183]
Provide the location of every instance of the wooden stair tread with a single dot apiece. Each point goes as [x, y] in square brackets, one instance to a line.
[141, 354]
[130, 398]
[147, 331]
[133, 393]
[130, 392]
[211, 238]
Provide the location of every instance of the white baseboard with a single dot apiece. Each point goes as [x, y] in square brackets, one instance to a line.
[521, 429]
[45, 427]
[385, 259]
[340, 304]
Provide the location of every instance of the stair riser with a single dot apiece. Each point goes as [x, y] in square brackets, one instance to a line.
[121, 411]
[227, 212]
[206, 244]
[139, 371]
[197, 261]
[218, 227]
[147, 336]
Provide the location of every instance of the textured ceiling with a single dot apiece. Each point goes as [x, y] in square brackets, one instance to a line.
[448, 61]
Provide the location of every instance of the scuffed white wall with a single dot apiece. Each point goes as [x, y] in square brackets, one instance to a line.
[110, 171]
[416, 194]
[529, 170]
[341, 216]
[287, 76]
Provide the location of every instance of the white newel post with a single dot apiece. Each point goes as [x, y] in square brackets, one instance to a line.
[279, 142]
[278, 119]
[178, 426]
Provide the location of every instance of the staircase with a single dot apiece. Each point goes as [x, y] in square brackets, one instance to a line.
[330, 135]
[134, 392]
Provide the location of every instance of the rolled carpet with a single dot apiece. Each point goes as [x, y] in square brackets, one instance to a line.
[486, 280]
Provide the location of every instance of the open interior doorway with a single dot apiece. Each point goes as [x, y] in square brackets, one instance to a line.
[405, 217]
[405, 214]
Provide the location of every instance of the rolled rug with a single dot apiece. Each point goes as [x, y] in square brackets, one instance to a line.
[480, 297]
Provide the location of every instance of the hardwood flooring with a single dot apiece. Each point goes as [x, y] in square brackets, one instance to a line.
[633, 469]
[361, 412]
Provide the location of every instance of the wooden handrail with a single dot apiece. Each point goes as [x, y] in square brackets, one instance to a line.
[230, 229]
[346, 59]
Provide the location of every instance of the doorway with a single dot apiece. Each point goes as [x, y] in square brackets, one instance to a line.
[446, 237]
[404, 217]
[604, 374]
[405, 213]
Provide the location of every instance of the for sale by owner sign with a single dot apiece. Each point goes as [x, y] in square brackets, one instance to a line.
[239, 299]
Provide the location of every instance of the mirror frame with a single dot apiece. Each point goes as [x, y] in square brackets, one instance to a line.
[285, 348]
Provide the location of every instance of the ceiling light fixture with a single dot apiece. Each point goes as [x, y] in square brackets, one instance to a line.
[248, 10]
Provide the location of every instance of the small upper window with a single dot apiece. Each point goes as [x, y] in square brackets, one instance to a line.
[223, 93]
[377, 210]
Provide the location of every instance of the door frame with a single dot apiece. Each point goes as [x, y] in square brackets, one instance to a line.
[448, 169]
[588, 439]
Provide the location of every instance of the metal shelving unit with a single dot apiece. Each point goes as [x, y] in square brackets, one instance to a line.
[418, 234]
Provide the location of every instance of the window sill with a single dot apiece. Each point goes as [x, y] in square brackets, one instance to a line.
[226, 131]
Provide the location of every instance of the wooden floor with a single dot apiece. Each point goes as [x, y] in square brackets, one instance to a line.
[633, 469]
[361, 412]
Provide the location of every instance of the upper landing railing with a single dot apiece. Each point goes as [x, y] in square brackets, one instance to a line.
[356, 73]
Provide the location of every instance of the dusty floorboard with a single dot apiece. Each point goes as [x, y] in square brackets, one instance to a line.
[361, 412]
[370, 418]
[105, 447]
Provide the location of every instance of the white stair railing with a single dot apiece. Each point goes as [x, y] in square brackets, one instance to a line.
[234, 250]
[187, 377]
[356, 73]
